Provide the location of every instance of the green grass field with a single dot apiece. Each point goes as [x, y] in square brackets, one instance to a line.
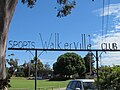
[24, 83]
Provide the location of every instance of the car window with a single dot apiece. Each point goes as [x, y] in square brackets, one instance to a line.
[78, 85]
[72, 85]
[88, 85]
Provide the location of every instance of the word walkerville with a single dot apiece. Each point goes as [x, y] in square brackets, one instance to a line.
[55, 43]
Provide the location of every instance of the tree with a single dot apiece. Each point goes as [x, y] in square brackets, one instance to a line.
[7, 8]
[47, 66]
[29, 68]
[69, 64]
[89, 62]
[47, 71]
[64, 8]
[26, 69]
[39, 68]
[109, 77]
[20, 72]
[13, 66]
[10, 71]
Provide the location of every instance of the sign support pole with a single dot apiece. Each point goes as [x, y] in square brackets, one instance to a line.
[35, 69]
[97, 69]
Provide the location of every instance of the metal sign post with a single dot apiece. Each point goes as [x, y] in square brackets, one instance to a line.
[97, 69]
[35, 69]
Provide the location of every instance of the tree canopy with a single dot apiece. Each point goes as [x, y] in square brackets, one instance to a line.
[69, 64]
[89, 62]
[109, 77]
[64, 8]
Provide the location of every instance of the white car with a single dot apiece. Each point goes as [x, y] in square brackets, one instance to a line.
[81, 84]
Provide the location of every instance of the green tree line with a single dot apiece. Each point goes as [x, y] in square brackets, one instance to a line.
[27, 69]
[66, 65]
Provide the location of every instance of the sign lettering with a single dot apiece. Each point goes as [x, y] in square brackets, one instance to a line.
[109, 46]
[57, 44]
[54, 42]
[21, 44]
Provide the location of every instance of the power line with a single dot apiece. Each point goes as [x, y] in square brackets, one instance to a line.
[103, 22]
[103, 5]
[107, 23]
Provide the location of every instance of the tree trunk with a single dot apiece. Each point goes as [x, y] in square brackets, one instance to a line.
[7, 8]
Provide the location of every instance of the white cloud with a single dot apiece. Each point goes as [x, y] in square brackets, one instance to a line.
[114, 10]
[117, 26]
[113, 36]
[111, 58]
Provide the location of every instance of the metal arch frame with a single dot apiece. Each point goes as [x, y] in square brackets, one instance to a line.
[37, 49]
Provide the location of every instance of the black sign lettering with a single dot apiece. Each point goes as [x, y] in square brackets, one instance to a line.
[114, 45]
[21, 44]
[11, 43]
[33, 44]
[109, 46]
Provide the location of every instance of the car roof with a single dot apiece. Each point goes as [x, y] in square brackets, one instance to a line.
[84, 80]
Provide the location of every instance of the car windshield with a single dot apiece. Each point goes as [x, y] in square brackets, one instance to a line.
[72, 85]
[89, 86]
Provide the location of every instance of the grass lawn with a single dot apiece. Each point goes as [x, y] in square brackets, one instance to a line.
[20, 82]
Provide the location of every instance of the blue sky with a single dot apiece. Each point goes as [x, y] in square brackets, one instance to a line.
[86, 18]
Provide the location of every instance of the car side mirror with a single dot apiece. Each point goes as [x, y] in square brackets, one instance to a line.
[77, 89]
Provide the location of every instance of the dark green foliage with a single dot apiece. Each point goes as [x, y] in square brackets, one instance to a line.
[82, 70]
[89, 62]
[109, 77]
[13, 66]
[5, 83]
[58, 79]
[29, 68]
[30, 3]
[65, 6]
[42, 70]
[69, 64]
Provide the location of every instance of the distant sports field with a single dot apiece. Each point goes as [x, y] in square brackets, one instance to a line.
[21, 83]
